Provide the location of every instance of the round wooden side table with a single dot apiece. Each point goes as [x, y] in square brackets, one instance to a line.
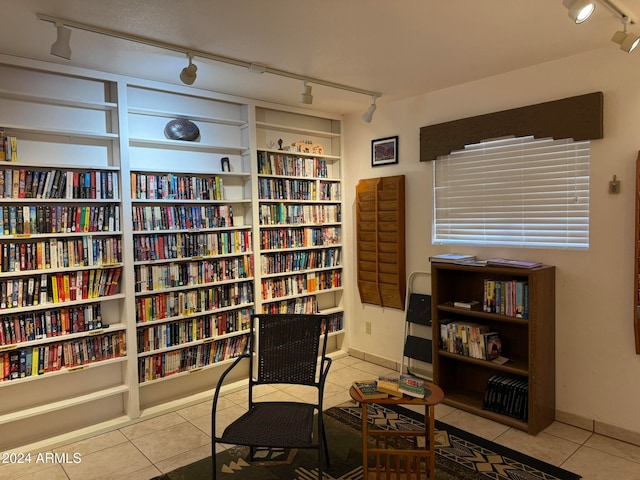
[401, 450]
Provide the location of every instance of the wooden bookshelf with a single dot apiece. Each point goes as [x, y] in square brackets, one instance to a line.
[528, 342]
[380, 229]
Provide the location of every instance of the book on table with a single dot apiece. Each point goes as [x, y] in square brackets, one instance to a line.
[412, 386]
[390, 384]
[368, 390]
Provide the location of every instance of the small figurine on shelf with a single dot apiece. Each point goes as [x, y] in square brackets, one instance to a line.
[279, 144]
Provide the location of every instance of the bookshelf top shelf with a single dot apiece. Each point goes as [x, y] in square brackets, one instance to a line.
[290, 129]
[21, 96]
[187, 116]
[178, 145]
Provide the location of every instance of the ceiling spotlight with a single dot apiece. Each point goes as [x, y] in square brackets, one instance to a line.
[368, 115]
[579, 10]
[189, 73]
[628, 41]
[305, 96]
[61, 47]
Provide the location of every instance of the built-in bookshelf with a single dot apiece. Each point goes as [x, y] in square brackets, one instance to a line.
[63, 339]
[468, 373]
[132, 262]
[299, 215]
[192, 229]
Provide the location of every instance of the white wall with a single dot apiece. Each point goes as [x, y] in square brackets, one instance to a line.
[598, 371]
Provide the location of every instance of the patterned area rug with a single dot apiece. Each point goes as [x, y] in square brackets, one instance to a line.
[459, 455]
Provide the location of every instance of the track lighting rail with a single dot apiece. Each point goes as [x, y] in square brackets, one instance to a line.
[253, 67]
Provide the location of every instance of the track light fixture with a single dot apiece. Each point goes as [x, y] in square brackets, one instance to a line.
[627, 41]
[368, 115]
[306, 96]
[189, 73]
[579, 10]
[61, 47]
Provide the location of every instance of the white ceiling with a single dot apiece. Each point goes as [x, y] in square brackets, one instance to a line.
[401, 48]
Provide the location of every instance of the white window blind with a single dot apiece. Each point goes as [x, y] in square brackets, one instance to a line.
[516, 191]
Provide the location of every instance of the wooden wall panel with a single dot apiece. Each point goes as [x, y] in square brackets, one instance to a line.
[380, 229]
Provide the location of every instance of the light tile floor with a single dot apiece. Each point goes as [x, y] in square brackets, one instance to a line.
[154, 446]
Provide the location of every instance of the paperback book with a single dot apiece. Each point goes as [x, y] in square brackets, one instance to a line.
[390, 384]
[368, 390]
[452, 258]
[412, 386]
[505, 262]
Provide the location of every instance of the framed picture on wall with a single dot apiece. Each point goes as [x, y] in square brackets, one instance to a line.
[384, 151]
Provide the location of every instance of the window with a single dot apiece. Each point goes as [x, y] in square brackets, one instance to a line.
[516, 191]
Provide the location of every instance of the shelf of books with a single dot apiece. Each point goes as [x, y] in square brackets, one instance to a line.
[494, 327]
[191, 207]
[299, 196]
[62, 338]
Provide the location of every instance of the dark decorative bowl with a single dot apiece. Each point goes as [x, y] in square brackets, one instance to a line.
[182, 129]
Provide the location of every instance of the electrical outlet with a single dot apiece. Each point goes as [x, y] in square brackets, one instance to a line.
[367, 327]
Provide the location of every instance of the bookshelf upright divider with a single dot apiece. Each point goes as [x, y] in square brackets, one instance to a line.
[527, 337]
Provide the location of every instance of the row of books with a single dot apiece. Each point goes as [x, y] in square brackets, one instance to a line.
[149, 278]
[329, 192]
[34, 219]
[8, 147]
[39, 360]
[181, 217]
[506, 297]
[162, 365]
[291, 166]
[187, 302]
[170, 186]
[300, 260]
[193, 329]
[507, 396]
[300, 284]
[285, 214]
[307, 304]
[470, 339]
[57, 288]
[286, 189]
[50, 323]
[334, 322]
[276, 238]
[56, 253]
[188, 245]
[60, 184]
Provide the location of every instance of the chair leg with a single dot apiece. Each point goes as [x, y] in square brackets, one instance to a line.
[213, 459]
[326, 447]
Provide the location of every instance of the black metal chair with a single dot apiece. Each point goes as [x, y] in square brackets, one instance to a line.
[284, 349]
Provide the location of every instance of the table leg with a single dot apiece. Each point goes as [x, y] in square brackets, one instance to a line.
[430, 411]
[365, 434]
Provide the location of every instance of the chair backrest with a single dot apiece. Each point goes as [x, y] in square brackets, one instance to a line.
[286, 348]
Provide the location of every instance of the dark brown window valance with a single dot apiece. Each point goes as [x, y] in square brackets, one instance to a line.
[579, 118]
